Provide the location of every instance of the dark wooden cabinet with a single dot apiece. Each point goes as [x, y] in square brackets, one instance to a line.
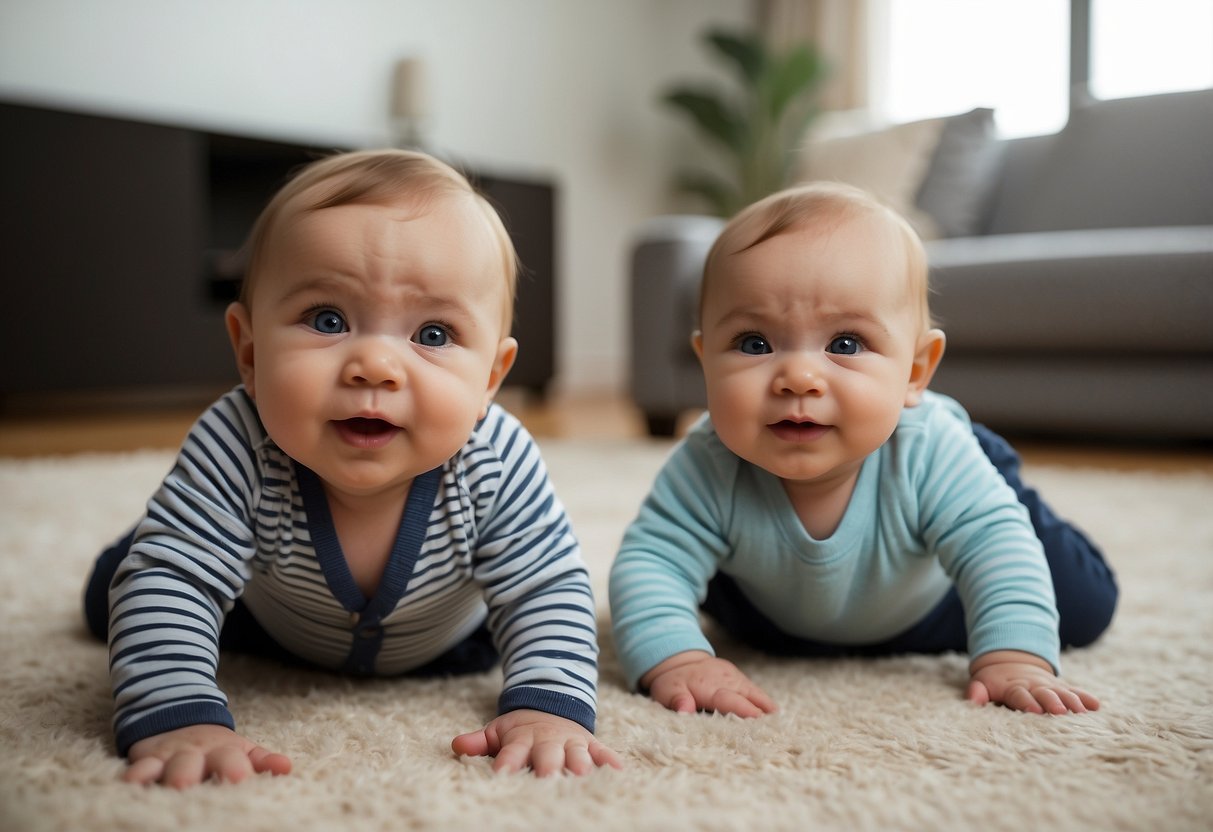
[528, 208]
[118, 239]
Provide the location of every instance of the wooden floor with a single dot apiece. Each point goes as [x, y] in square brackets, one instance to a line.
[73, 430]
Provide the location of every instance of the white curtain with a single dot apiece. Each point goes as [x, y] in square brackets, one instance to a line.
[838, 29]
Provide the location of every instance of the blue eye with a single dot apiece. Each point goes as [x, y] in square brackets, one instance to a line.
[845, 345]
[754, 345]
[432, 335]
[328, 321]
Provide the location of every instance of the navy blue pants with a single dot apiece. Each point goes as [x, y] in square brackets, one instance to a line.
[242, 633]
[1084, 585]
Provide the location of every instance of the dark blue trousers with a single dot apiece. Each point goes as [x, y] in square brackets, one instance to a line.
[1084, 585]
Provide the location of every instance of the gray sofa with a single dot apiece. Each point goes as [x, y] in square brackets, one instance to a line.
[1077, 298]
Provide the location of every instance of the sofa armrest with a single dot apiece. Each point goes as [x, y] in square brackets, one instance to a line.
[666, 265]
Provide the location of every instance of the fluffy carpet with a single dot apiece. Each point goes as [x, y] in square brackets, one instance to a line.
[858, 745]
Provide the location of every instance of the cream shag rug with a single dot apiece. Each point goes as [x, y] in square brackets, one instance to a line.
[859, 744]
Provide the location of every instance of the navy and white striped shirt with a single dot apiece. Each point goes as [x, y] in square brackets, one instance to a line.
[483, 539]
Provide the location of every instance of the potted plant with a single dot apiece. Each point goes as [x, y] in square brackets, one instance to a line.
[760, 128]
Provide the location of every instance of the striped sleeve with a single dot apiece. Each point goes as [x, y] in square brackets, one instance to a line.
[188, 563]
[529, 565]
[986, 544]
[668, 555]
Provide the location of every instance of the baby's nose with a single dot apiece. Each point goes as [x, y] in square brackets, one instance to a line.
[374, 363]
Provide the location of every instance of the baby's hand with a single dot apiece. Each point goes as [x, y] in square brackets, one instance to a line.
[1024, 682]
[187, 756]
[696, 681]
[547, 743]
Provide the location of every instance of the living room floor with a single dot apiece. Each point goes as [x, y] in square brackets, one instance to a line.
[39, 432]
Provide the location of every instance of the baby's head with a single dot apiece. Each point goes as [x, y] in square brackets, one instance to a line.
[372, 177]
[373, 326]
[815, 329]
[822, 206]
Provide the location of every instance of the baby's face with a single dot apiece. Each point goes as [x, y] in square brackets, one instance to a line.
[377, 338]
[807, 342]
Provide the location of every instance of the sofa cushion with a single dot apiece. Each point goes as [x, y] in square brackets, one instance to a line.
[961, 176]
[939, 173]
[1126, 291]
[1015, 189]
[1125, 163]
[890, 163]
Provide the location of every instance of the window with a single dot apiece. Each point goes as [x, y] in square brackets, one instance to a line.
[940, 57]
[1140, 48]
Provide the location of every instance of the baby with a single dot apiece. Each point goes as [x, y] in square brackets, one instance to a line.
[358, 502]
[828, 504]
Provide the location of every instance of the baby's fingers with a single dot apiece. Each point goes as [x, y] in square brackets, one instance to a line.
[581, 758]
[732, 702]
[1050, 701]
[978, 693]
[684, 703]
[144, 771]
[1089, 701]
[184, 769]
[577, 758]
[474, 744]
[1020, 698]
[513, 757]
[547, 758]
[229, 764]
[742, 704]
[677, 697]
[1075, 700]
[759, 697]
[265, 760]
[604, 756]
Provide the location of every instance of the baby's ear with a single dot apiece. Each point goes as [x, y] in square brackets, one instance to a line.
[926, 362]
[697, 343]
[240, 331]
[507, 351]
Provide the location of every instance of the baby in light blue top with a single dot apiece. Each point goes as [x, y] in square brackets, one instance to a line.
[828, 503]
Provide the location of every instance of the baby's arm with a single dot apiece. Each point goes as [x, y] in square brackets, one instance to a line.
[188, 756]
[660, 576]
[987, 545]
[547, 743]
[541, 614]
[697, 681]
[1024, 682]
[186, 564]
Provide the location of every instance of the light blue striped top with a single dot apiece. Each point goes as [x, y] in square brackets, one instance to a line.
[483, 539]
[929, 510]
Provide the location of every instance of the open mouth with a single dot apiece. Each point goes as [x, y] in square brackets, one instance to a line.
[792, 431]
[362, 432]
[369, 427]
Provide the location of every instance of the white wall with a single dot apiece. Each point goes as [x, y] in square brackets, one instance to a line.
[564, 89]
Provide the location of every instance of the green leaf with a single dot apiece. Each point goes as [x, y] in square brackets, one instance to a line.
[714, 116]
[795, 74]
[761, 125]
[747, 51]
[723, 197]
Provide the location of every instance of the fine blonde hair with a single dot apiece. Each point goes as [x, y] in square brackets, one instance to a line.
[372, 177]
[823, 205]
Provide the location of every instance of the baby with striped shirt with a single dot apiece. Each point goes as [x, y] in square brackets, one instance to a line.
[357, 503]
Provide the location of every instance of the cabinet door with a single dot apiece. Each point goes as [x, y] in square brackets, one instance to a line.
[528, 209]
[103, 232]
